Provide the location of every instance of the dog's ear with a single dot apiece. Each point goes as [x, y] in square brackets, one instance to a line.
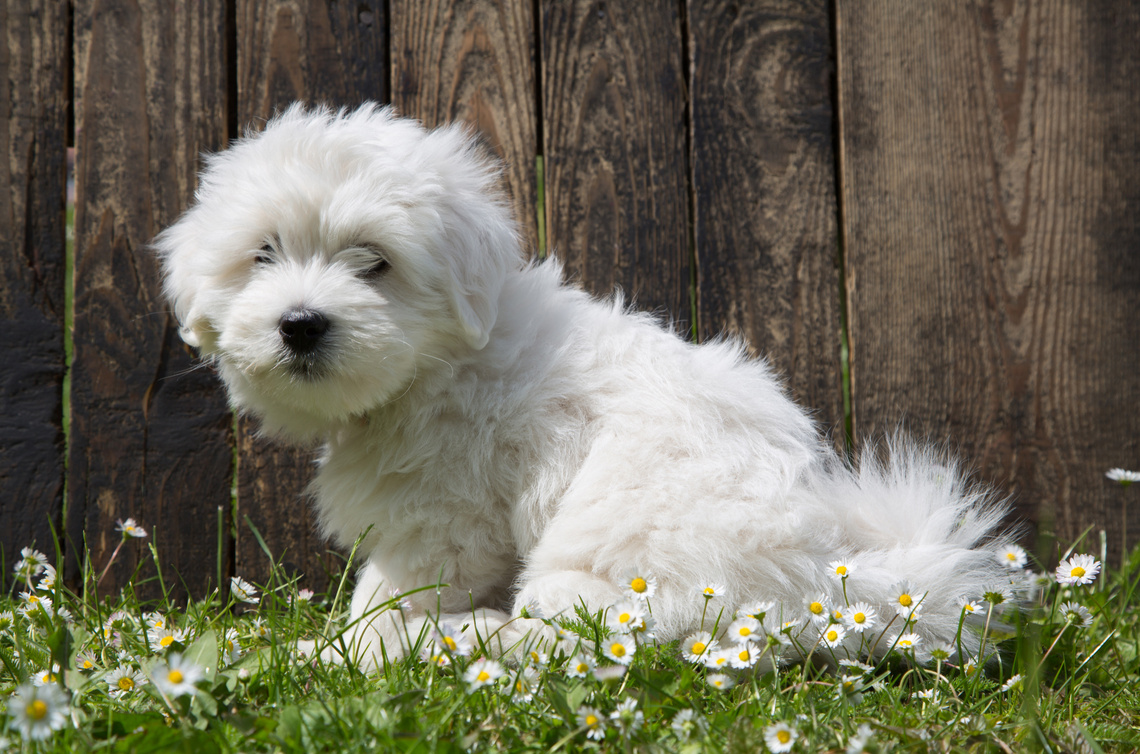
[180, 283]
[476, 269]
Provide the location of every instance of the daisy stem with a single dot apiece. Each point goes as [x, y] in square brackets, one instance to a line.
[1041, 662]
[985, 634]
[114, 554]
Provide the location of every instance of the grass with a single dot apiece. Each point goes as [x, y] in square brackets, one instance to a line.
[1077, 689]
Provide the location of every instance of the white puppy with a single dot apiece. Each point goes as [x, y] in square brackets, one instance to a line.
[359, 282]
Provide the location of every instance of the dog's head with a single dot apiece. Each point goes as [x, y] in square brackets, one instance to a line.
[330, 257]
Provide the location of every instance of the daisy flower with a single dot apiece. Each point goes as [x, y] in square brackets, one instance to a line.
[165, 638]
[852, 687]
[1123, 476]
[721, 659]
[620, 649]
[780, 737]
[130, 529]
[698, 646]
[862, 667]
[1078, 570]
[123, 681]
[592, 722]
[608, 673]
[1013, 682]
[482, 672]
[627, 718]
[929, 694]
[857, 744]
[997, 595]
[1078, 615]
[720, 681]
[834, 635]
[31, 564]
[151, 620]
[33, 603]
[639, 584]
[840, 569]
[538, 659]
[451, 638]
[687, 724]
[231, 647]
[817, 609]
[860, 617]
[905, 601]
[85, 661]
[757, 610]
[1013, 557]
[743, 656]
[625, 615]
[259, 628]
[711, 590]
[303, 595]
[645, 628]
[243, 591]
[46, 677]
[36, 711]
[177, 676]
[942, 651]
[526, 683]
[579, 666]
[969, 606]
[47, 581]
[905, 642]
[745, 629]
[7, 620]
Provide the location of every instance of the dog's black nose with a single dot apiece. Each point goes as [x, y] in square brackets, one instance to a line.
[302, 329]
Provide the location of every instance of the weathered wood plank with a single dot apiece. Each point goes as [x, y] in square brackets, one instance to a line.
[475, 62]
[764, 188]
[150, 432]
[288, 50]
[617, 200]
[990, 187]
[33, 113]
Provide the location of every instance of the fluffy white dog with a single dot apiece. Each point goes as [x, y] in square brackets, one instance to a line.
[359, 283]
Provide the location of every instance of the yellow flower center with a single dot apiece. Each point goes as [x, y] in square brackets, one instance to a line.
[87, 664]
[581, 667]
[697, 648]
[37, 710]
[126, 683]
[175, 676]
[229, 645]
[848, 685]
[816, 608]
[166, 641]
[638, 585]
[33, 598]
[905, 600]
[1077, 572]
[841, 570]
[968, 607]
[624, 618]
[449, 643]
[483, 676]
[745, 631]
[859, 617]
[1011, 555]
[617, 649]
[591, 720]
[832, 635]
[743, 656]
[783, 736]
[535, 657]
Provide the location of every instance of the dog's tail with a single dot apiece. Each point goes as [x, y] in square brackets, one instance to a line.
[919, 530]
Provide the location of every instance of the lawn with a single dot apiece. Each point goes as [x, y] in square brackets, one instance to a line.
[110, 673]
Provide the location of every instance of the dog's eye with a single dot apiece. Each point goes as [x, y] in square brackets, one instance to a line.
[377, 270]
[264, 255]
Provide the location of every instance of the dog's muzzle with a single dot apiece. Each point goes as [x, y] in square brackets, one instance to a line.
[302, 331]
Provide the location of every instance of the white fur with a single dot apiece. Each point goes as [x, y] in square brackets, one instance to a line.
[496, 429]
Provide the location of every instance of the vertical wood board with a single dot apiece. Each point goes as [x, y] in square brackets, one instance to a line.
[989, 193]
[33, 111]
[617, 200]
[150, 433]
[764, 188]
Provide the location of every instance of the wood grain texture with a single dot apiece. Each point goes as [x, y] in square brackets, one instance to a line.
[150, 433]
[315, 51]
[319, 52]
[474, 61]
[764, 188]
[990, 187]
[617, 201]
[33, 112]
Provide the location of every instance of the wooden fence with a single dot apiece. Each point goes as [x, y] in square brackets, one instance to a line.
[952, 187]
